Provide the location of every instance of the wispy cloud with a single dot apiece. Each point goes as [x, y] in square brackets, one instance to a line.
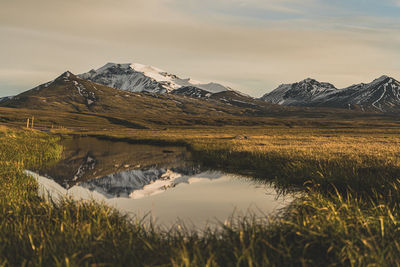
[255, 44]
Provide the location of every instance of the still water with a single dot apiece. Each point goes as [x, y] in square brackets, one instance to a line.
[161, 183]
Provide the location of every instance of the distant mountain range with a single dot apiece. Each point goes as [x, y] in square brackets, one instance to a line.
[382, 95]
[111, 88]
[81, 91]
[69, 93]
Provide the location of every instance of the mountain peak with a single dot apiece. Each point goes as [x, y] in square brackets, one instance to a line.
[382, 94]
[382, 78]
[137, 77]
[308, 80]
[111, 65]
[146, 68]
[299, 93]
[66, 76]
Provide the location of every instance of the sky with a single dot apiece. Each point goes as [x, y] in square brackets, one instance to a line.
[251, 45]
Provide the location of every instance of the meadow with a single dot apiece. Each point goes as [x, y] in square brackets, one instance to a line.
[347, 212]
[358, 157]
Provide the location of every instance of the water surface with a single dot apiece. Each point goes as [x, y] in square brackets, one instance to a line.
[162, 183]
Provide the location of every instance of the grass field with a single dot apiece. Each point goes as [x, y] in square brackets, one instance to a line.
[362, 158]
[357, 224]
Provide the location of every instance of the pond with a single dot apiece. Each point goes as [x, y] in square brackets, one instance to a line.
[161, 183]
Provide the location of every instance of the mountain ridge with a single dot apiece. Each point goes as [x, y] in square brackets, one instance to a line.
[69, 93]
[380, 95]
[135, 77]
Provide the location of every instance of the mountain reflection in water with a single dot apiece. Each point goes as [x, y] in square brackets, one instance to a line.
[117, 168]
[161, 181]
[138, 183]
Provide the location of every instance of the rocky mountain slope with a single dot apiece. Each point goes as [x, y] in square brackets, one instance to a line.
[382, 95]
[299, 94]
[141, 78]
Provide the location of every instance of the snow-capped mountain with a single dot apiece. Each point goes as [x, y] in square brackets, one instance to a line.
[122, 184]
[382, 94]
[138, 183]
[138, 78]
[299, 94]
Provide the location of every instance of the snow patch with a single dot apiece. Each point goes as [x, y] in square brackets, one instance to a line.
[138, 77]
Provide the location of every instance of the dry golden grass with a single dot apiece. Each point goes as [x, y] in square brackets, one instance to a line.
[287, 156]
[310, 142]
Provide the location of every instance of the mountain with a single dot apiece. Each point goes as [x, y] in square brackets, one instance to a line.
[141, 78]
[69, 98]
[192, 91]
[382, 94]
[138, 183]
[67, 92]
[299, 94]
[71, 102]
[65, 88]
[235, 98]
[229, 97]
[5, 98]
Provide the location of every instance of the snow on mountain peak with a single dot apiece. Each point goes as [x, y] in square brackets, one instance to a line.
[138, 77]
[146, 68]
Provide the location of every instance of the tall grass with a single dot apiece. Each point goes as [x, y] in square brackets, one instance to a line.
[292, 169]
[340, 227]
[362, 158]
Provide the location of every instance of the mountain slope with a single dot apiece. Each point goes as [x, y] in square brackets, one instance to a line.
[299, 94]
[75, 103]
[138, 78]
[382, 94]
[71, 94]
[192, 91]
[5, 98]
[66, 92]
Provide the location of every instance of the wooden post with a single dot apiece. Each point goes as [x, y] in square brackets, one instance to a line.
[33, 119]
[27, 123]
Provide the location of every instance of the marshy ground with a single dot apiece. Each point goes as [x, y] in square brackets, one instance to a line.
[347, 213]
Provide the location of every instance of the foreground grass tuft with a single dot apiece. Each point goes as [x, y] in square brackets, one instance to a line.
[339, 227]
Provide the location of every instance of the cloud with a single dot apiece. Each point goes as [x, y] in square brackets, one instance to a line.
[197, 39]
